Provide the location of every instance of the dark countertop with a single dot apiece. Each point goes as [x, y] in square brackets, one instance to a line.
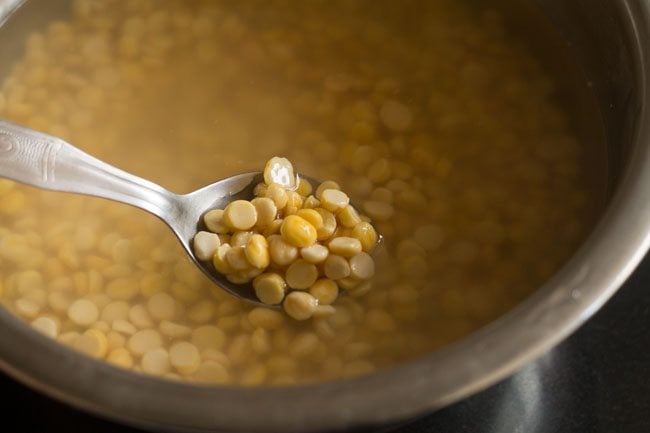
[596, 381]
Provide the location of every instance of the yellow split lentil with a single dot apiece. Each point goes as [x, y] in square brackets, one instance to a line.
[250, 253]
[451, 142]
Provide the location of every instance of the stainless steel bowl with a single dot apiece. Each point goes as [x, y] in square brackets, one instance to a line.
[611, 40]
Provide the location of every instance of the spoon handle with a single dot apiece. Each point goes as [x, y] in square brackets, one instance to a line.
[47, 162]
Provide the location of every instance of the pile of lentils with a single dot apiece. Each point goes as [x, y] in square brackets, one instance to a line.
[289, 238]
[447, 135]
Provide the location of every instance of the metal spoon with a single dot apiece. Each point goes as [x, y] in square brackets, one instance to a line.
[47, 162]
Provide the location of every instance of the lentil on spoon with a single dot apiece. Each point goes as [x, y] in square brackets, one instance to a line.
[294, 255]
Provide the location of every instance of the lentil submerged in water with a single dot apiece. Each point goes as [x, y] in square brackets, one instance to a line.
[446, 134]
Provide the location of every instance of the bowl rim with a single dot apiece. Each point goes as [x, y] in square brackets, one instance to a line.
[574, 294]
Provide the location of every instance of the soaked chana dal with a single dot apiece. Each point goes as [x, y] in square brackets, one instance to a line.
[295, 248]
[446, 134]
